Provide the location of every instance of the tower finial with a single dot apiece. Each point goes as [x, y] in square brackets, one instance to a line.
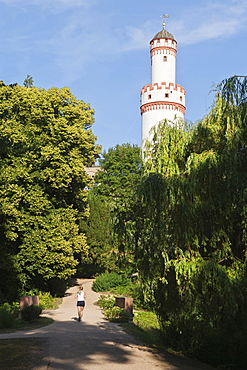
[164, 20]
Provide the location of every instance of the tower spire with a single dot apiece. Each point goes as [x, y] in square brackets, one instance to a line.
[165, 16]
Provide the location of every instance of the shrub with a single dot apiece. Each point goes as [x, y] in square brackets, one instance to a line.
[106, 301]
[31, 313]
[126, 290]
[133, 290]
[15, 309]
[46, 301]
[106, 281]
[1, 297]
[7, 316]
[146, 320]
[116, 314]
[30, 292]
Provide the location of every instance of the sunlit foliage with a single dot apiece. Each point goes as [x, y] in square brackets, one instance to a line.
[191, 229]
[45, 143]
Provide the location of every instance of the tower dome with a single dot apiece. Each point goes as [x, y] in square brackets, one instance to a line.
[163, 99]
[163, 34]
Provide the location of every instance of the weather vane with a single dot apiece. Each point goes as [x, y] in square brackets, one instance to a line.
[164, 20]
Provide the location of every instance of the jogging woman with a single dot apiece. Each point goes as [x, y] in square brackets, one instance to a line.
[81, 296]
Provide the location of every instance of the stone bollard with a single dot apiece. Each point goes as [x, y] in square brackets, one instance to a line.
[126, 303]
[28, 301]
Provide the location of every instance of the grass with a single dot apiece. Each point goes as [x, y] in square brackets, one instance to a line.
[151, 337]
[21, 325]
[145, 327]
[146, 320]
[25, 354]
[21, 354]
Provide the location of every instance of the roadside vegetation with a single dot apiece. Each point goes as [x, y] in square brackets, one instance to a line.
[184, 230]
[169, 231]
[11, 319]
[146, 326]
[190, 230]
[46, 142]
[21, 354]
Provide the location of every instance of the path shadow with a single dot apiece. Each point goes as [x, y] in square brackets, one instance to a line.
[68, 294]
[94, 344]
[73, 345]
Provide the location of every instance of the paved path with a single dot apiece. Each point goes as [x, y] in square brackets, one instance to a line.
[94, 343]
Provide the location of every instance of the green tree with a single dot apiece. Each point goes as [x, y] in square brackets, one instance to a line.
[121, 172]
[191, 229]
[98, 228]
[45, 143]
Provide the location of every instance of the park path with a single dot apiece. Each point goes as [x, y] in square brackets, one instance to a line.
[94, 343]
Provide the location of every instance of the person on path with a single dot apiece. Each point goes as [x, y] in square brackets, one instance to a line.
[80, 296]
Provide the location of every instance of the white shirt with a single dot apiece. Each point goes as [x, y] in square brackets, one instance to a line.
[80, 296]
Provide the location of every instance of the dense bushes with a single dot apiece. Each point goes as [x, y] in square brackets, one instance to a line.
[31, 313]
[191, 230]
[8, 315]
[47, 301]
[11, 316]
[112, 312]
[119, 285]
[107, 281]
[6, 318]
[116, 314]
[106, 301]
[206, 318]
[146, 320]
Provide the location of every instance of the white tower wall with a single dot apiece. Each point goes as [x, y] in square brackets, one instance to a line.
[163, 60]
[163, 99]
[158, 115]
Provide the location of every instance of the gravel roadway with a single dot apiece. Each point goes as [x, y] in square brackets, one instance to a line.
[94, 343]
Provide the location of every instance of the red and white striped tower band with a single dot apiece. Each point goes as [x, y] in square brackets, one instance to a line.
[163, 98]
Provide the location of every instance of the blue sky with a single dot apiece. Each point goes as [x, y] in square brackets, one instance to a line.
[100, 50]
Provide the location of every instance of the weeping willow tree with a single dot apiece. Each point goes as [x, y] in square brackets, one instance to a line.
[191, 229]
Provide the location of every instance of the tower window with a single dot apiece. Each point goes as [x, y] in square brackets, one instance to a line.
[149, 96]
[165, 58]
[166, 95]
[181, 98]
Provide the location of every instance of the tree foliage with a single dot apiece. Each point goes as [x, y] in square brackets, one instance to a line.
[116, 183]
[45, 143]
[121, 172]
[98, 229]
[191, 228]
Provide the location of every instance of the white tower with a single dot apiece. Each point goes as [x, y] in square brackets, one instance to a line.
[163, 98]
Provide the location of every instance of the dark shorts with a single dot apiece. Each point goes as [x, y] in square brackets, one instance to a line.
[80, 303]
